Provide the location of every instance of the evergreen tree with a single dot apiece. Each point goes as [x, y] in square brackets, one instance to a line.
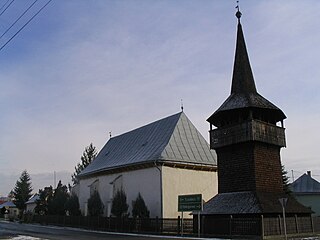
[87, 157]
[72, 205]
[285, 180]
[2, 210]
[119, 204]
[52, 201]
[60, 197]
[95, 205]
[139, 208]
[22, 191]
[44, 201]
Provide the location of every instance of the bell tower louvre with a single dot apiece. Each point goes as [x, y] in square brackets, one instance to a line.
[247, 132]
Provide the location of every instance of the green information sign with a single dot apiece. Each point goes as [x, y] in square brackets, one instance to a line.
[188, 203]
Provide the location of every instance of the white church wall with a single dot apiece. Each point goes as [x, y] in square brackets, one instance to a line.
[177, 181]
[146, 181]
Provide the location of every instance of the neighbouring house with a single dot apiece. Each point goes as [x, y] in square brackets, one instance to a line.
[161, 160]
[307, 191]
[32, 203]
[4, 199]
[12, 211]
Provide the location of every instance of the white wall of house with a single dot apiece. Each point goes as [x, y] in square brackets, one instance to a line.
[177, 181]
[30, 207]
[146, 181]
[310, 200]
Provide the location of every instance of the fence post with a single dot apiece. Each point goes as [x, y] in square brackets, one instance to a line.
[157, 224]
[230, 225]
[262, 226]
[280, 225]
[199, 226]
[179, 226]
[202, 224]
[312, 223]
[297, 224]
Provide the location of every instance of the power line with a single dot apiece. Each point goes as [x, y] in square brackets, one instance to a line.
[19, 18]
[6, 7]
[25, 25]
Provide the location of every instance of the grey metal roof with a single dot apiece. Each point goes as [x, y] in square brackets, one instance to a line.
[305, 184]
[171, 139]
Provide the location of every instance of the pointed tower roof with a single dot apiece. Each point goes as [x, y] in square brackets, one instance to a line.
[242, 78]
[243, 89]
[172, 140]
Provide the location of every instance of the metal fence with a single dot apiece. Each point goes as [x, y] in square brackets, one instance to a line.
[231, 226]
[257, 226]
[170, 226]
[294, 225]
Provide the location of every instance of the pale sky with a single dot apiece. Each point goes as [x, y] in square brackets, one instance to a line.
[84, 68]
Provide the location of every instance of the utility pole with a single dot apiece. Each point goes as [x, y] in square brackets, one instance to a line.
[292, 175]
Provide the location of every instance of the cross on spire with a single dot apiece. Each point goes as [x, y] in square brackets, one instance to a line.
[238, 13]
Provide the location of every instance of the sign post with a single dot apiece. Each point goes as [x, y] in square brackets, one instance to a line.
[189, 203]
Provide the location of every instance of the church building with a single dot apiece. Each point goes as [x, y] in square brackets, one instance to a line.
[161, 160]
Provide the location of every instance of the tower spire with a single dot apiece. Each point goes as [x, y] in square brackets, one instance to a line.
[242, 78]
[244, 95]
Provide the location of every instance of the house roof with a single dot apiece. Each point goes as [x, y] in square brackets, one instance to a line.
[173, 139]
[33, 199]
[305, 184]
[9, 204]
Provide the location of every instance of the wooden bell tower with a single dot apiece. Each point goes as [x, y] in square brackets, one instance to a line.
[247, 133]
[247, 139]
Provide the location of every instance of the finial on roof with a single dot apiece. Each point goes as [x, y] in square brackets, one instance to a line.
[110, 134]
[238, 13]
[181, 105]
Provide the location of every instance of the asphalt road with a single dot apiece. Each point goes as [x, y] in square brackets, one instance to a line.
[11, 229]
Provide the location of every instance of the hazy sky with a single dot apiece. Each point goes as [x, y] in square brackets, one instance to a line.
[84, 68]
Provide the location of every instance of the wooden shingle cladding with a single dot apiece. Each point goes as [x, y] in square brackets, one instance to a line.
[249, 202]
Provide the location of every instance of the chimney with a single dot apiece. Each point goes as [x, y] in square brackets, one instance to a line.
[309, 173]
